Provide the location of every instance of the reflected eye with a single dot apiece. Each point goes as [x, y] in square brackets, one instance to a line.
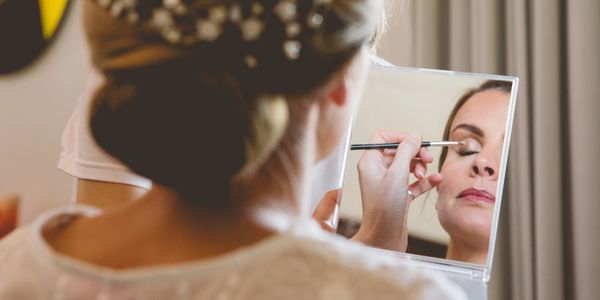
[471, 146]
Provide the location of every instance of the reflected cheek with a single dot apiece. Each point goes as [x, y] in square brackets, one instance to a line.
[449, 188]
[446, 197]
[453, 176]
[494, 187]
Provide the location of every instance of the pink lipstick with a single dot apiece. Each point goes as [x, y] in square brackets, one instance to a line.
[473, 194]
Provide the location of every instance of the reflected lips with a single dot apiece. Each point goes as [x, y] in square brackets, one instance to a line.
[473, 194]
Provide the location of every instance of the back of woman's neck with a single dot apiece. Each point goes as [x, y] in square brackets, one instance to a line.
[158, 229]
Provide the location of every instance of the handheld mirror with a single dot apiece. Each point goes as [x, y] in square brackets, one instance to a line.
[454, 223]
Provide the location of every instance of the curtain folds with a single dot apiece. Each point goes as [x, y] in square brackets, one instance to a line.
[548, 234]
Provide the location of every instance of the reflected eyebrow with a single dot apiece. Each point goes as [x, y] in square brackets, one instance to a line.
[470, 127]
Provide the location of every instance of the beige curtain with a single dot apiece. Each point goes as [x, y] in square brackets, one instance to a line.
[549, 234]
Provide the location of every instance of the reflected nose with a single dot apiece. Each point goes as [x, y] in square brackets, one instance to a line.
[485, 168]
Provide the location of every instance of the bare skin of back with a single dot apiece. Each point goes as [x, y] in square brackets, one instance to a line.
[105, 195]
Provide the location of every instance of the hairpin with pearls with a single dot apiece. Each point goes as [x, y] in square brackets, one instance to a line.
[208, 27]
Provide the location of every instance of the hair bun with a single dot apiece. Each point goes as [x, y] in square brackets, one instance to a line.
[186, 132]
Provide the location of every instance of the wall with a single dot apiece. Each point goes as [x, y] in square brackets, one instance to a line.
[35, 105]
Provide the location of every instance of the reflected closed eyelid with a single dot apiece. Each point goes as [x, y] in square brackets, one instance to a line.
[470, 146]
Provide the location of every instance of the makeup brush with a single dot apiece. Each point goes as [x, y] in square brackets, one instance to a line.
[395, 145]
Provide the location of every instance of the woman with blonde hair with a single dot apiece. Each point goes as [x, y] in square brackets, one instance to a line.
[225, 106]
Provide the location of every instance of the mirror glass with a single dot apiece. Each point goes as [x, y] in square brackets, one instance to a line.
[457, 219]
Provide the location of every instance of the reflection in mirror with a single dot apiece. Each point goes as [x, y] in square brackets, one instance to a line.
[446, 215]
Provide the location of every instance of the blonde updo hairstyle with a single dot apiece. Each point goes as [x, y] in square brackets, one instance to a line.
[192, 117]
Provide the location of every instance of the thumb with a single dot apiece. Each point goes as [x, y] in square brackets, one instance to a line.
[326, 208]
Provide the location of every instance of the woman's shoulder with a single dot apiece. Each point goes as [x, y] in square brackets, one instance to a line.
[27, 242]
[29, 270]
[304, 263]
[16, 258]
[15, 240]
[330, 264]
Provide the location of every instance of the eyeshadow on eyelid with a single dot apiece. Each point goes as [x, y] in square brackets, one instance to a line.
[461, 136]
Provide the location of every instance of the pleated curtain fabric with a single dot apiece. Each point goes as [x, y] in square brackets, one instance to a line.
[583, 93]
[549, 234]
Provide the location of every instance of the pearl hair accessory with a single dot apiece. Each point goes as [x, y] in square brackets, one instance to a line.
[209, 27]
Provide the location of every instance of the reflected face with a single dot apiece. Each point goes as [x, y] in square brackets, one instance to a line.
[468, 192]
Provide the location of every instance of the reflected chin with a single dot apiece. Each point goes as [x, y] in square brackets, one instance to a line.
[469, 219]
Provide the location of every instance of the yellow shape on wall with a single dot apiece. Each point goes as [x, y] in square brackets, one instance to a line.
[51, 12]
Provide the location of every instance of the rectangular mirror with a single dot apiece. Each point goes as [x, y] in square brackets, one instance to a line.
[454, 223]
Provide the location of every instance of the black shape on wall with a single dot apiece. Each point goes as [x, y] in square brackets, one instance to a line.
[21, 37]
